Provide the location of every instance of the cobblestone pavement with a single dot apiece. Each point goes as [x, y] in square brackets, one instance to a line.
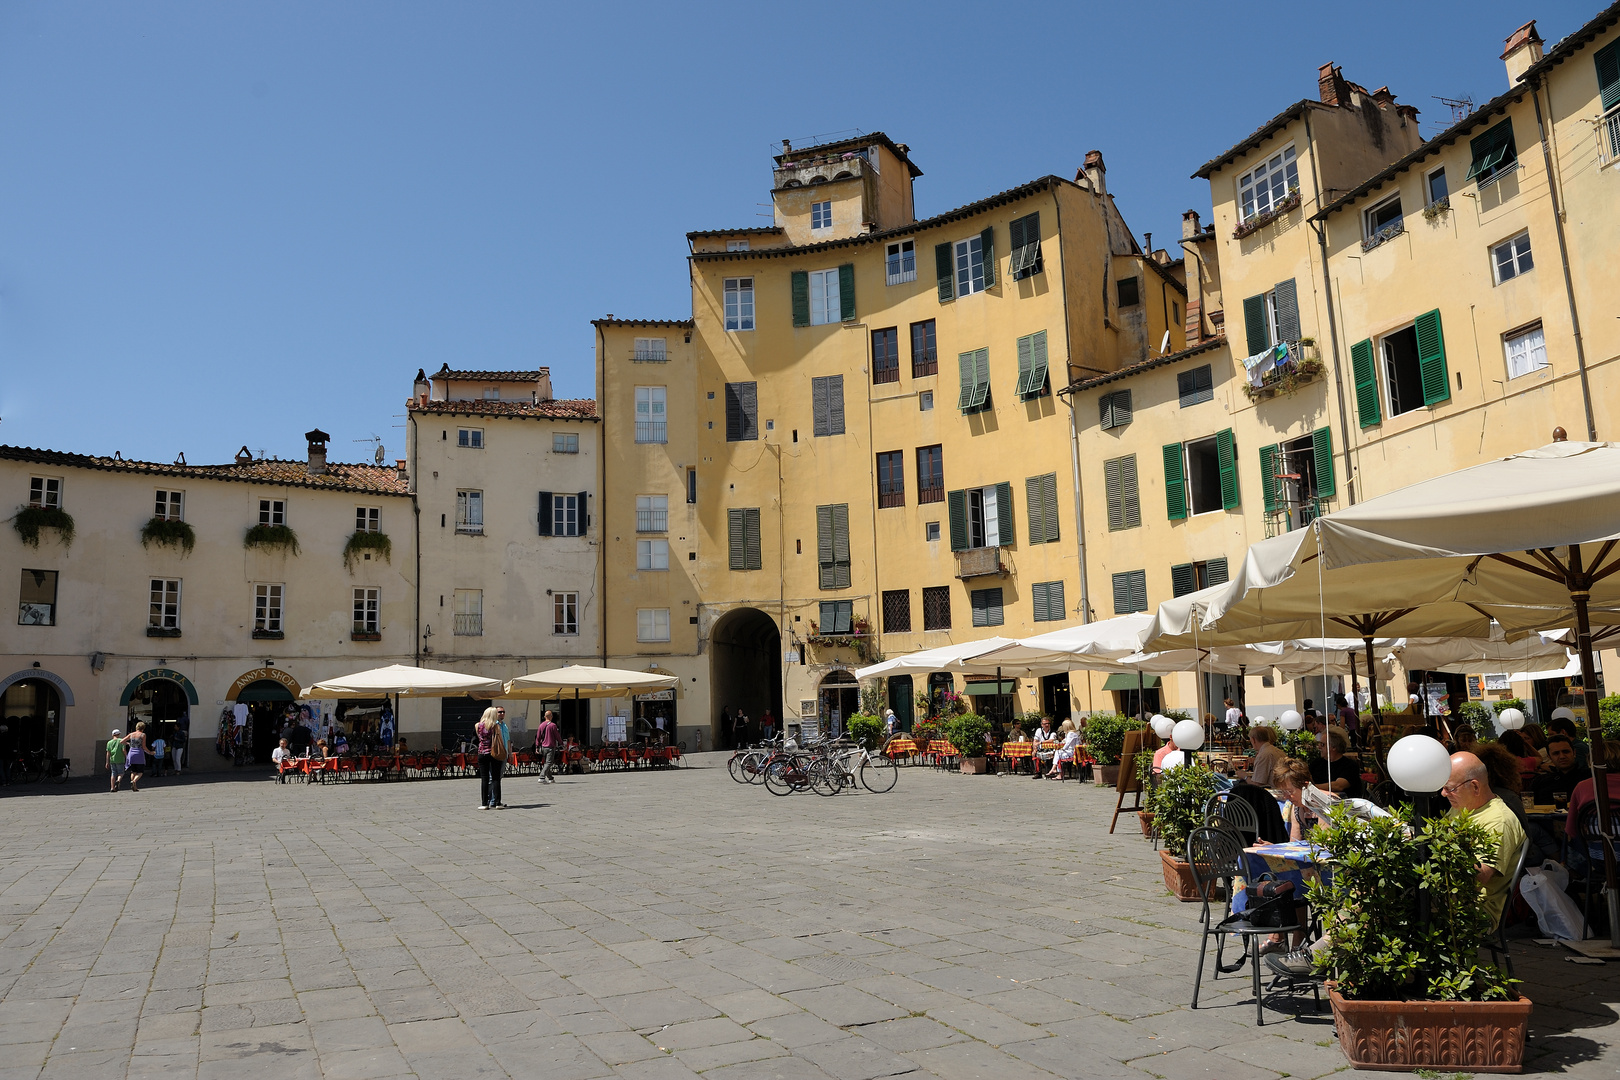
[650, 925]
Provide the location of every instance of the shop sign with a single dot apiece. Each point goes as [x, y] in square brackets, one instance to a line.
[270, 674]
[147, 676]
[657, 695]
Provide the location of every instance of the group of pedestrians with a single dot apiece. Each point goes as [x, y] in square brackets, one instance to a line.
[130, 755]
[495, 749]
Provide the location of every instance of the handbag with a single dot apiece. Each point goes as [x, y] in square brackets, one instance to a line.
[497, 744]
[1269, 902]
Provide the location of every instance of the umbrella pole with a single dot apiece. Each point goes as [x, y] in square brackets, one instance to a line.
[1141, 694]
[1594, 729]
[1375, 717]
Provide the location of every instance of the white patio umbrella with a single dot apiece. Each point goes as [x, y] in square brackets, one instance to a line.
[578, 681]
[941, 658]
[402, 680]
[1105, 640]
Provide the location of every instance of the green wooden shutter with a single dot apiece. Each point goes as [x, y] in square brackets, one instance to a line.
[1491, 151]
[1037, 509]
[1183, 580]
[1116, 409]
[753, 549]
[1226, 456]
[987, 244]
[1055, 607]
[545, 513]
[835, 404]
[1004, 515]
[1037, 592]
[1049, 499]
[1114, 485]
[945, 267]
[737, 539]
[841, 574]
[1175, 482]
[846, 292]
[1322, 445]
[1361, 363]
[1032, 364]
[957, 502]
[1268, 477]
[1254, 323]
[1130, 592]
[1287, 311]
[1216, 573]
[801, 298]
[1431, 344]
[1608, 74]
[1025, 346]
[975, 371]
[824, 545]
[981, 375]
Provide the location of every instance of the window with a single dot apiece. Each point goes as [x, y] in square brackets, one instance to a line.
[1526, 351]
[987, 610]
[1025, 242]
[45, 491]
[1511, 258]
[652, 513]
[1032, 366]
[1041, 494]
[1129, 290]
[970, 266]
[821, 216]
[367, 519]
[36, 600]
[1115, 409]
[739, 293]
[1124, 500]
[1196, 385]
[1190, 577]
[1272, 317]
[925, 401]
[1201, 475]
[1383, 221]
[975, 371]
[1047, 597]
[472, 438]
[736, 245]
[562, 513]
[651, 349]
[1266, 186]
[827, 404]
[1130, 592]
[367, 611]
[1403, 380]
[832, 545]
[837, 617]
[267, 609]
[1294, 475]
[742, 412]
[897, 611]
[936, 605]
[924, 353]
[930, 475]
[691, 485]
[651, 415]
[470, 512]
[565, 612]
[164, 612]
[652, 554]
[469, 613]
[1493, 154]
[886, 355]
[1415, 372]
[565, 443]
[931, 530]
[891, 472]
[742, 532]
[272, 511]
[652, 624]
[1607, 60]
[981, 517]
[170, 506]
[901, 262]
[1435, 184]
[826, 304]
[492, 394]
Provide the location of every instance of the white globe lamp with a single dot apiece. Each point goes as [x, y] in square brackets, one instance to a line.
[1291, 721]
[1260, 721]
[1419, 764]
[1175, 759]
[1188, 735]
[1162, 725]
[1510, 719]
[1562, 713]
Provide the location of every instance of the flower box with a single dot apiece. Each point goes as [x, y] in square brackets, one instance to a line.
[1404, 1036]
[1260, 221]
[1286, 379]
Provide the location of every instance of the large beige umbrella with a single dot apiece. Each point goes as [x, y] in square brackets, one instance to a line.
[1108, 639]
[942, 658]
[402, 680]
[581, 681]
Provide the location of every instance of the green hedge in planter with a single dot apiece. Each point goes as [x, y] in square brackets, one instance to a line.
[1299, 744]
[166, 532]
[271, 536]
[362, 542]
[31, 519]
[1608, 715]
[866, 730]
[966, 733]
[1178, 805]
[1105, 735]
[1475, 715]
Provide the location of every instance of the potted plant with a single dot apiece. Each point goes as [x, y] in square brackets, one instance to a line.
[362, 544]
[1178, 809]
[271, 537]
[167, 532]
[1407, 987]
[1144, 780]
[967, 733]
[30, 519]
[1105, 740]
[867, 730]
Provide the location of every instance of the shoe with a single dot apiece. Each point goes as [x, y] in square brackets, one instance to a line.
[1272, 947]
[481, 806]
[1296, 963]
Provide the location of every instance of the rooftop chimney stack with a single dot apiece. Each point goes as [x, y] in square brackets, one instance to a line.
[400, 471]
[317, 451]
[1522, 48]
[420, 389]
[1189, 225]
[1331, 86]
[1096, 172]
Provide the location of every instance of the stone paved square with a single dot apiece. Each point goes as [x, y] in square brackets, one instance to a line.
[653, 924]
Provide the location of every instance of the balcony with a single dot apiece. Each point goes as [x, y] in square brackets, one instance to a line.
[652, 431]
[1609, 137]
[979, 562]
[652, 521]
[649, 356]
[1296, 516]
[470, 528]
[930, 495]
[469, 624]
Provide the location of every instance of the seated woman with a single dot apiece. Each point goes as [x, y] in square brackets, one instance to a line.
[1519, 747]
[1345, 772]
[319, 752]
[1290, 778]
[1071, 740]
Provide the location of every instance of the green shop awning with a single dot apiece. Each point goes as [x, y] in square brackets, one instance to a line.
[992, 688]
[1122, 680]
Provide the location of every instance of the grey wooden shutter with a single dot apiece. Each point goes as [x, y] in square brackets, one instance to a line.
[1004, 515]
[801, 298]
[945, 267]
[1215, 572]
[846, 292]
[748, 401]
[753, 555]
[1113, 485]
[824, 544]
[1114, 410]
[736, 538]
[835, 404]
[841, 575]
[819, 424]
[545, 513]
[1130, 592]
[1183, 579]
[1037, 509]
[987, 244]
[1130, 496]
[1287, 311]
[1025, 346]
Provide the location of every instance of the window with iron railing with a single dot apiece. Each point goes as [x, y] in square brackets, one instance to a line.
[650, 415]
[891, 479]
[652, 513]
[924, 351]
[651, 350]
[469, 613]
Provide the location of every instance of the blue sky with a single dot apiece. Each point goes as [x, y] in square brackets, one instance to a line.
[226, 223]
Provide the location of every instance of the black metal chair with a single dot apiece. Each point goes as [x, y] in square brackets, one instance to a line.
[1497, 942]
[1590, 843]
[1223, 809]
[1215, 855]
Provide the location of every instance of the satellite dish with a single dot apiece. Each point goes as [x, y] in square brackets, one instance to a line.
[380, 455]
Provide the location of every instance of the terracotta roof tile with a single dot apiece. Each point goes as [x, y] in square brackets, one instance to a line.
[467, 375]
[1144, 365]
[572, 409]
[373, 479]
[756, 230]
[683, 323]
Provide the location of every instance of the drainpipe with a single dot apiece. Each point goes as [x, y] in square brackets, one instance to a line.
[1074, 438]
[1563, 255]
[416, 512]
[1320, 228]
[601, 497]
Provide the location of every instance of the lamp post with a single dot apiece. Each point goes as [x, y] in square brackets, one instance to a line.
[1420, 765]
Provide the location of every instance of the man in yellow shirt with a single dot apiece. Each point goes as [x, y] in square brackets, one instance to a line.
[1469, 789]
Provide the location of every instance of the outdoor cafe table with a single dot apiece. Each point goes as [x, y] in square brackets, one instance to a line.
[1017, 754]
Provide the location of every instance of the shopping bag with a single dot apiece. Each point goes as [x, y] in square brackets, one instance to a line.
[1558, 915]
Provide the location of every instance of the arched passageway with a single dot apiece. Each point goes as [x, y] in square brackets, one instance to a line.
[745, 668]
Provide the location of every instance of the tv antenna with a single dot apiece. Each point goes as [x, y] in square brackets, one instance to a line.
[1460, 107]
[379, 456]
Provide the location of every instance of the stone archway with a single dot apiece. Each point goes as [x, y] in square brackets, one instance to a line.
[838, 698]
[745, 668]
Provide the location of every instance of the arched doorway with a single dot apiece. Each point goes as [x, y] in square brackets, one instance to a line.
[162, 698]
[264, 694]
[745, 667]
[838, 698]
[31, 704]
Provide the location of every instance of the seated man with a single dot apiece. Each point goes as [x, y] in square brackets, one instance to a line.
[1346, 772]
[1558, 780]
[1469, 789]
[280, 757]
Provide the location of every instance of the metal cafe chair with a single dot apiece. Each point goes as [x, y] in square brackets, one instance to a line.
[1497, 942]
[1233, 813]
[1215, 856]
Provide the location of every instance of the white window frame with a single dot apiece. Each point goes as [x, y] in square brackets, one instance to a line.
[968, 259]
[1430, 198]
[470, 438]
[367, 610]
[652, 513]
[468, 613]
[738, 294]
[986, 527]
[368, 519]
[821, 211]
[272, 511]
[470, 511]
[652, 554]
[169, 505]
[1259, 190]
[825, 302]
[492, 393]
[565, 614]
[163, 608]
[1186, 474]
[652, 349]
[900, 261]
[1530, 355]
[565, 442]
[652, 410]
[567, 515]
[269, 599]
[1518, 250]
[652, 624]
[45, 491]
[736, 245]
[1369, 230]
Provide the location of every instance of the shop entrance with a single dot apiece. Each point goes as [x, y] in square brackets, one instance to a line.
[161, 704]
[745, 669]
[996, 700]
[902, 699]
[267, 703]
[654, 719]
[32, 719]
[838, 700]
[1055, 697]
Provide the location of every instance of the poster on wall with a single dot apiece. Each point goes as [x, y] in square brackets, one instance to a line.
[1497, 682]
[616, 726]
[809, 728]
[1476, 687]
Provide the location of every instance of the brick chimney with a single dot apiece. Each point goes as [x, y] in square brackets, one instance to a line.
[400, 471]
[1522, 48]
[317, 451]
[1189, 225]
[1331, 86]
[1095, 171]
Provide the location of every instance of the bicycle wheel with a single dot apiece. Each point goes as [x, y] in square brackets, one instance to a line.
[825, 777]
[734, 766]
[776, 777]
[878, 774]
[754, 764]
[62, 774]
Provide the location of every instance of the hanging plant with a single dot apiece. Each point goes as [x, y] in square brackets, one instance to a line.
[271, 536]
[362, 542]
[169, 533]
[31, 519]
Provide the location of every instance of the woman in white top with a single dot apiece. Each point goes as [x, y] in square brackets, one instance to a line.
[1071, 740]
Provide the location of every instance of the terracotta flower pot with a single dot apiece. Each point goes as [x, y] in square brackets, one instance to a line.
[1108, 775]
[1145, 819]
[1178, 879]
[974, 766]
[1476, 1036]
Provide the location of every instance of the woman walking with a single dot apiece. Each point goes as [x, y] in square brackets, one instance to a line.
[491, 758]
[135, 755]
